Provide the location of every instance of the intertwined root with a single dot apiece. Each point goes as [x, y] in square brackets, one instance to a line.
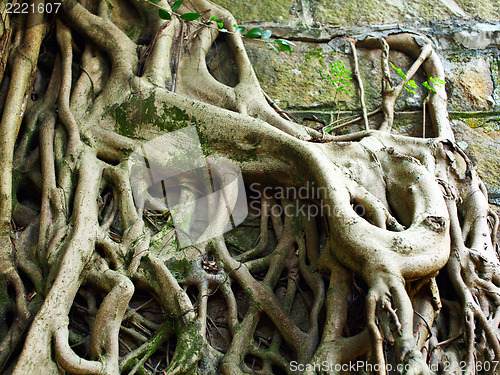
[389, 319]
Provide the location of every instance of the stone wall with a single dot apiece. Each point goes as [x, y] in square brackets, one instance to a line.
[465, 33]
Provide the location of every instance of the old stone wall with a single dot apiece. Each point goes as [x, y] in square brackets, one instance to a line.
[465, 33]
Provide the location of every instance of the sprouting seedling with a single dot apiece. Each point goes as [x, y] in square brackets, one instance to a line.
[340, 77]
[435, 82]
[410, 85]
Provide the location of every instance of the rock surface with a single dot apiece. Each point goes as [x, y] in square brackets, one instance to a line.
[356, 12]
[465, 33]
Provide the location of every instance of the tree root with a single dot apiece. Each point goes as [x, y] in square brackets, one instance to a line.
[389, 211]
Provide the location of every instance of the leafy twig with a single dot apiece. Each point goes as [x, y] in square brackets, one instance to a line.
[277, 45]
[410, 85]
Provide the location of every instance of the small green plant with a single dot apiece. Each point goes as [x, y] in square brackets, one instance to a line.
[411, 85]
[277, 45]
[435, 81]
[341, 78]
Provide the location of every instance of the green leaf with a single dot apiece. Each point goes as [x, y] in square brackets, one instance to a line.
[285, 42]
[334, 69]
[426, 85]
[400, 72]
[410, 90]
[154, 1]
[437, 81]
[284, 45]
[267, 34]
[275, 49]
[218, 21]
[412, 83]
[254, 33]
[240, 29]
[343, 89]
[338, 70]
[176, 5]
[190, 16]
[287, 48]
[164, 14]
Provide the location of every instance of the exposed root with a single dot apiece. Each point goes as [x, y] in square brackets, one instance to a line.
[93, 277]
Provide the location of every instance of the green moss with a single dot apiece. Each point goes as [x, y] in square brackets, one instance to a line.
[110, 6]
[125, 123]
[485, 124]
[126, 151]
[137, 110]
[173, 118]
[460, 55]
[85, 139]
[180, 268]
[189, 346]
[133, 31]
[487, 120]
[368, 12]
[163, 333]
[315, 54]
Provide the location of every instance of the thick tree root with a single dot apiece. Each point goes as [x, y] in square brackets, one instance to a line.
[96, 282]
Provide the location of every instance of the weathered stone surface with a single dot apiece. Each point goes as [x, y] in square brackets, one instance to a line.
[357, 12]
[471, 86]
[301, 80]
[465, 33]
[478, 36]
[361, 12]
[248, 11]
[483, 148]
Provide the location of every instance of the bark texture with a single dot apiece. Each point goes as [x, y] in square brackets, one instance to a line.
[400, 268]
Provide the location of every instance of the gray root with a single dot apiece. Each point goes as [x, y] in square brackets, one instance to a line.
[397, 211]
